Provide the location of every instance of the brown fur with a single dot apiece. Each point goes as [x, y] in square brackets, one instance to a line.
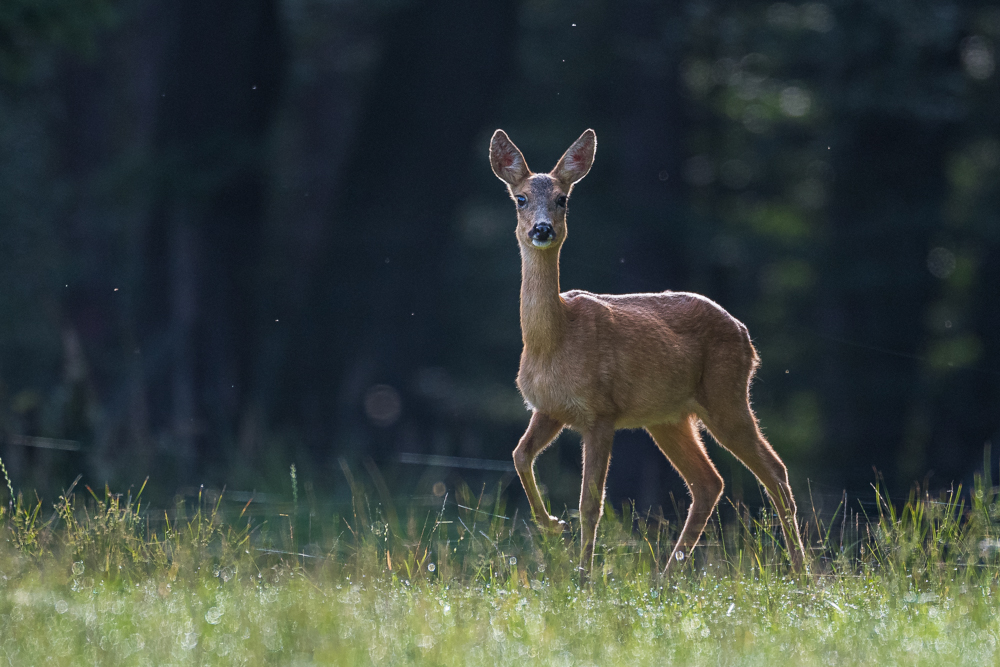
[670, 362]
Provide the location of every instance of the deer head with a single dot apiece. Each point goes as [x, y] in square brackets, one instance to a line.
[541, 198]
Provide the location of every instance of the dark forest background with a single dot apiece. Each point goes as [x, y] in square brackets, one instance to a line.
[244, 233]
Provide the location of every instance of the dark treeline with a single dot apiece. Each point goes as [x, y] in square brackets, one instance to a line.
[238, 234]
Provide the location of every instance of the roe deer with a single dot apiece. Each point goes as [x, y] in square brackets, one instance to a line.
[670, 362]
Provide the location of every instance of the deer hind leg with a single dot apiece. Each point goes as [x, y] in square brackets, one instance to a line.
[542, 430]
[731, 422]
[597, 443]
[682, 446]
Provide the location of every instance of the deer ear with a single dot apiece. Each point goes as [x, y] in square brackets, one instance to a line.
[577, 160]
[507, 162]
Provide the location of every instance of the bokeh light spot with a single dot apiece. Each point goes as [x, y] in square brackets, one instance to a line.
[817, 16]
[977, 57]
[795, 102]
[755, 119]
[810, 194]
[941, 262]
[783, 16]
[383, 405]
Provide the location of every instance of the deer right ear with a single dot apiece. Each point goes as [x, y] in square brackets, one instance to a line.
[507, 162]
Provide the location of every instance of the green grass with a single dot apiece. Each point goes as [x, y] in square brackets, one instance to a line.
[99, 579]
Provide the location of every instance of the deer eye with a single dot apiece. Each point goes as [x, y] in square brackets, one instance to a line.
[561, 201]
[521, 200]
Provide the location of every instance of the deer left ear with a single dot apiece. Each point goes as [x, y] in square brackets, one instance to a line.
[577, 160]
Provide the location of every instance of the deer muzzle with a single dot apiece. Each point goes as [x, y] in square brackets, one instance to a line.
[541, 235]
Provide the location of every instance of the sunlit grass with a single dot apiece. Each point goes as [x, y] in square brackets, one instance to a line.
[96, 578]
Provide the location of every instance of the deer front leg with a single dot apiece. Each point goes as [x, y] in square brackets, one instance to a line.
[542, 430]
[596, 457]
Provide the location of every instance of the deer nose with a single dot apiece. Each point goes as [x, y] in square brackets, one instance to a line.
[542, 233]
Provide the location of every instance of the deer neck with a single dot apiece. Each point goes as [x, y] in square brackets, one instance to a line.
[543, 312]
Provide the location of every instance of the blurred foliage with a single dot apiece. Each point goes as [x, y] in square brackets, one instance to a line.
[29, 26]
[239, 234]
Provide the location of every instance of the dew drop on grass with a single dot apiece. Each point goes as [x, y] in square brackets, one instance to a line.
[213, 615]
[189, 641]
[431, 567]
[680, 555]
[512, 561]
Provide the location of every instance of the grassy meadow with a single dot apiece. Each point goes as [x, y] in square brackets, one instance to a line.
[97, 578]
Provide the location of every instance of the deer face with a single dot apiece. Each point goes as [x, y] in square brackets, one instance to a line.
[541, 211]
[541, 198]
